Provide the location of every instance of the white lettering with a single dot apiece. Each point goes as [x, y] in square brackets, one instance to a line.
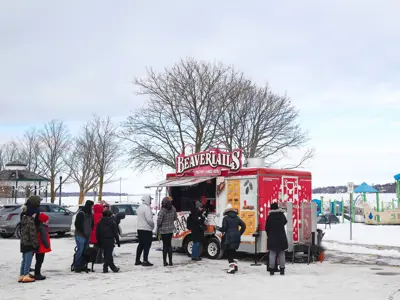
[235, 165]
[179, 165]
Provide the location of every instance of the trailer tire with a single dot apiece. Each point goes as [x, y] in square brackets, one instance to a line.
[213, 248]
[188, 244]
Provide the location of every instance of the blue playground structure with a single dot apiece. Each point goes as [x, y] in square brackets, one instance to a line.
[318, 202]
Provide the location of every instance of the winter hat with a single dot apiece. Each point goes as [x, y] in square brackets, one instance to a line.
[34, 201]
[30, 210]
[229, 208]
[274, 206]
[146, 199]
[43, 218]
[166, 202]
[88, 206]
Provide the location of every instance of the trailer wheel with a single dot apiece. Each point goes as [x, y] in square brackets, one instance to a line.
[213, 248]
[188, 245]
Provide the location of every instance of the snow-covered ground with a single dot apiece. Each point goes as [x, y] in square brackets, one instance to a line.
[187, 280]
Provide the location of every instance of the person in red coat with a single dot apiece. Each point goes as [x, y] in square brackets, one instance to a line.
[44, 245]
[97, 215]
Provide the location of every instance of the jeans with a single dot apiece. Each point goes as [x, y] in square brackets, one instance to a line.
[81, 245]
[272, 259]
[26, 263]
[195, 249]
[145, 240]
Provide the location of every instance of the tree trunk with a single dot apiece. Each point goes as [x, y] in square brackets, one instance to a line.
[81, 196]
[101, 181]
[52, 191]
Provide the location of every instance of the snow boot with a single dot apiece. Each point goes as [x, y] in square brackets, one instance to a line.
[21, 278]
[236, 262]
[138, 263]
[232, 268]
[282, 271]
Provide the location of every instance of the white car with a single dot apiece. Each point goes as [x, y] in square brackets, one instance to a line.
[127, 226]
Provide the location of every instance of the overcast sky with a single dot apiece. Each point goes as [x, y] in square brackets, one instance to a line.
[338, 60]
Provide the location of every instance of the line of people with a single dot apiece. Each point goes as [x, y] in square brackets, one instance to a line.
[100, 229]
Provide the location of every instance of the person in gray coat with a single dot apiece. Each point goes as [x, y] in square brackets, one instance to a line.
[166, 225]
[145, 227]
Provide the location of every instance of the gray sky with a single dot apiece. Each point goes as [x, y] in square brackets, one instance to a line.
[338, 61]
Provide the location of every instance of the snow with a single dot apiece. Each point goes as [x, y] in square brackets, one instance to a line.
[186, 280]
[377, 235]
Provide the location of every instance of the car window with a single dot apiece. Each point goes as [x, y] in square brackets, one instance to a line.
[44, 208]
[9, 209]
[127, 209]
[57, 209]
[134, 208]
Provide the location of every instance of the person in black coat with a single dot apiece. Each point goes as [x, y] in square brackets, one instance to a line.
[232, 236]
[277, 242]
[107, 236]
[196, 223]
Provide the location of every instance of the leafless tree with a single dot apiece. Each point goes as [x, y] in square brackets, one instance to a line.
[55, 140]
[185, 105]
[31, 150]
[82, 161]
[9, 152]
[263, 124]
[106, 150]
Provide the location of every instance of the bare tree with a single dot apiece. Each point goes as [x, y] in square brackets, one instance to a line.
[31, 150]
[185, 105]
[82, 161]
[263, 124]
[106, 150]
[55, 141]
[9, 152]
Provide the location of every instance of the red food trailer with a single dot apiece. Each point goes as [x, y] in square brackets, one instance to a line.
[216, 178]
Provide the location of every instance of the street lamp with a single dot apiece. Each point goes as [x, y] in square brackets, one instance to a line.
[59, 201]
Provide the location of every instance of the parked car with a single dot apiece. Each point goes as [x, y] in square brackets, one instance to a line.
[127, 226]
[59, 219]
[323, 220]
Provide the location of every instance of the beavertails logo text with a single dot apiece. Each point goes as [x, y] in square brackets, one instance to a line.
[209, 161]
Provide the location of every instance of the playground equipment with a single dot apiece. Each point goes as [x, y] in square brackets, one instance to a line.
[397, 178]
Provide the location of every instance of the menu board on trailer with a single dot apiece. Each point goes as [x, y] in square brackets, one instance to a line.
[242, 195]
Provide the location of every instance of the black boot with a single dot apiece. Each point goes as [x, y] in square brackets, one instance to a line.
[282, 271]
[271, 271]
[105, 268]
[170, 257]
[164, 254]
[114, 269]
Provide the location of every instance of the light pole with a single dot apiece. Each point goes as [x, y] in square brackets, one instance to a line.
[59, 201]
[120, 188]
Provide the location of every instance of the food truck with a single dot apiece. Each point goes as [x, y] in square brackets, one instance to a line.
[217, 178]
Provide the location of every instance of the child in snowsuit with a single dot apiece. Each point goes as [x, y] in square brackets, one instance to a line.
[107, 236]
[277, 241]
[44, 245]
[232, 236]
[166, 224]
[29, 238]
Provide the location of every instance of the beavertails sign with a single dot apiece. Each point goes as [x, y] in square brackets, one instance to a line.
[209, 162]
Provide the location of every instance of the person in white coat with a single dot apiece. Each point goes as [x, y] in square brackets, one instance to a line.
[145, 227]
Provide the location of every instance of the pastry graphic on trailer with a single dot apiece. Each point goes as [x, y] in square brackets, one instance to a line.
[233, 195]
